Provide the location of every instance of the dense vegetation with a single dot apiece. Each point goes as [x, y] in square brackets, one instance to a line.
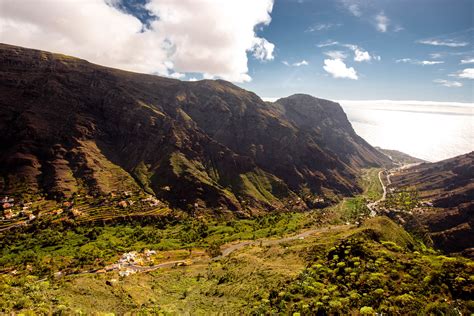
[72, 248]
[378, 270]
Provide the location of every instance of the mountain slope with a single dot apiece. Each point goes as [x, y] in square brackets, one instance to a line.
[449, 186]
[68, 126]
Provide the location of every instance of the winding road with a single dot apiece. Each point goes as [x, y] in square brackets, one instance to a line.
[372, 205]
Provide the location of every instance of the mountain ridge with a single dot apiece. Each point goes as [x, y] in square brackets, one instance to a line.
[68, 127]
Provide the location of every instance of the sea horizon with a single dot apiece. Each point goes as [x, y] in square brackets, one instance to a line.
[412, 126]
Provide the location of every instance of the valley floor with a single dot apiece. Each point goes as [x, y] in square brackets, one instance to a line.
[331, 260]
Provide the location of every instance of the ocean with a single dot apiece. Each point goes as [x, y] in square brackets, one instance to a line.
[431, 131]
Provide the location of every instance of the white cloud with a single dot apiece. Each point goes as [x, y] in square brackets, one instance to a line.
[270, 99]
[436, 55]
[382, 22]
[403, 60]
[301, 63]
[295, 64]
[322, 27]
[215, 41]
[419, 62]
[448, 43]
[177, 75]
[338, 69]
[429, 62]
[353, 7]
[193, 79]
[360, 55]
[336, 54]
[467, 73]
[398, 28]
[263, 49]
[447, 83]
[467, 61]
[327, 43]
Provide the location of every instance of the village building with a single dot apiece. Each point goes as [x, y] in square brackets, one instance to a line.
[8, 214]
[7, 205]
[6, 199]
[75, 212]
[123, 204]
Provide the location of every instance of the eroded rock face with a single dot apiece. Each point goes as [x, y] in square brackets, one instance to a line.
[449, 186]
[67, 125]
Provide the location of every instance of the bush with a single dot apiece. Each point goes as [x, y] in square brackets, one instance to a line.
[214, 249]
[366, 310]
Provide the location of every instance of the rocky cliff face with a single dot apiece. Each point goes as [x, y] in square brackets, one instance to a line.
[449, 186]
[68, 126]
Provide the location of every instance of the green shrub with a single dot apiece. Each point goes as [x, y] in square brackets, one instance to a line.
[366, 310]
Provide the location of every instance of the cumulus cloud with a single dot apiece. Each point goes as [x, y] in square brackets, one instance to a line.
[447, 83]
[361, 55]
[467, 73]
[382, 22]
[448, 43]
[338, 69]
[214, 42]
[263, 49]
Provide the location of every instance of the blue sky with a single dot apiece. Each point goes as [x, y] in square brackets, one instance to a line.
[335, 49]
[298, 27]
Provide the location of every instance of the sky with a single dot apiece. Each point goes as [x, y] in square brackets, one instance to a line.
[334, 49]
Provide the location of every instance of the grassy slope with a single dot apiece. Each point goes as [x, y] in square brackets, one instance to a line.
[371, 184]
[379, 268]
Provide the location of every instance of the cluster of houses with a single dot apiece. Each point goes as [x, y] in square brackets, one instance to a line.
[128, 262]
[9, 213]
[13, 209]
[24, 210]
[7, 202]
[150, 200]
